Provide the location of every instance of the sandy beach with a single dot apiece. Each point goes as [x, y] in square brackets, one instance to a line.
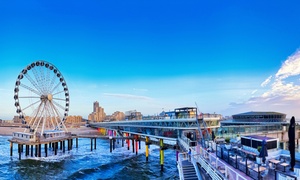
[8, 131]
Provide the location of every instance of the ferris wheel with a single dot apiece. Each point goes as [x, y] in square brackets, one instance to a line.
[41, 97]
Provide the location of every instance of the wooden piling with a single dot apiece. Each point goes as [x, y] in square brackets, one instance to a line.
[95, 143]
[76, 142]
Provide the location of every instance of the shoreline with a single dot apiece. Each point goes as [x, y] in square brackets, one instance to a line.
[8, 131]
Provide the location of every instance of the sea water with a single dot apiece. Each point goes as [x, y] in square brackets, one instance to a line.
[82, 163]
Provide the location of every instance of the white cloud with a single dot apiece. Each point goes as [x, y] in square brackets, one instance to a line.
[266, 82]
[283, 94]
[291, 67]
[127, 96]
[254, 91]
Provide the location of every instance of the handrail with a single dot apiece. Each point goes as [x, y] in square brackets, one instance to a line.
[208, 162]
[218, 163]
[194, 162]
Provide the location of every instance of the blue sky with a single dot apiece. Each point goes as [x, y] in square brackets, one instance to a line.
[229, 57]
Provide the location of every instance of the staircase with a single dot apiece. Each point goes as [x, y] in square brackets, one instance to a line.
[188, 171]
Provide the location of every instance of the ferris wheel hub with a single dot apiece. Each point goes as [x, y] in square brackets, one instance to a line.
[50, 97]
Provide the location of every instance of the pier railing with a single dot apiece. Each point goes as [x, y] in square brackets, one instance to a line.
[216, 164]
[179, 165]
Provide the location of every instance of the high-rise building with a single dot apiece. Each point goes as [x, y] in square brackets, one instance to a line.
[96, 105]
[98, 114]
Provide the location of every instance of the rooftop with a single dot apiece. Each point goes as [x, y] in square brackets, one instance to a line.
[257, 113]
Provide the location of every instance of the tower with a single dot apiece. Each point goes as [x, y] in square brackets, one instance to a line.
[96, 105]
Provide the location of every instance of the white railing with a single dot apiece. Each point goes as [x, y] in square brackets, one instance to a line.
[179, 167]
[184, 141]
[216, 168]
[196, 167]
[210, 170]
[211, 164]
[196, 158]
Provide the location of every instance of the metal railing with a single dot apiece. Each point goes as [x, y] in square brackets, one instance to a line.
[218, 165]
[215, 167]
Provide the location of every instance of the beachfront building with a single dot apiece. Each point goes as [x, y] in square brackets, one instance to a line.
[185, 112]
[117, 116]
[74, 121]
[271, 124]
[98, 114]
[253, 123]
[133, 115]
[212, 120]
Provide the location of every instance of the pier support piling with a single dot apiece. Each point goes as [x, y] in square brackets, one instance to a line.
[114, 143]
[46, 150]
[95, 145]
[19, 150]
[71, 144]
[136, 147]
[91, 144]
[31, 151]
[40, 150]
[128, 142]
[11, 148]
[147, 148]
[110, 144]
[161, 143]
[133, 145]
[76, 142]
[139, 144]
[68, 144]
[36, 148]
[55, 148]
[26, 150]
